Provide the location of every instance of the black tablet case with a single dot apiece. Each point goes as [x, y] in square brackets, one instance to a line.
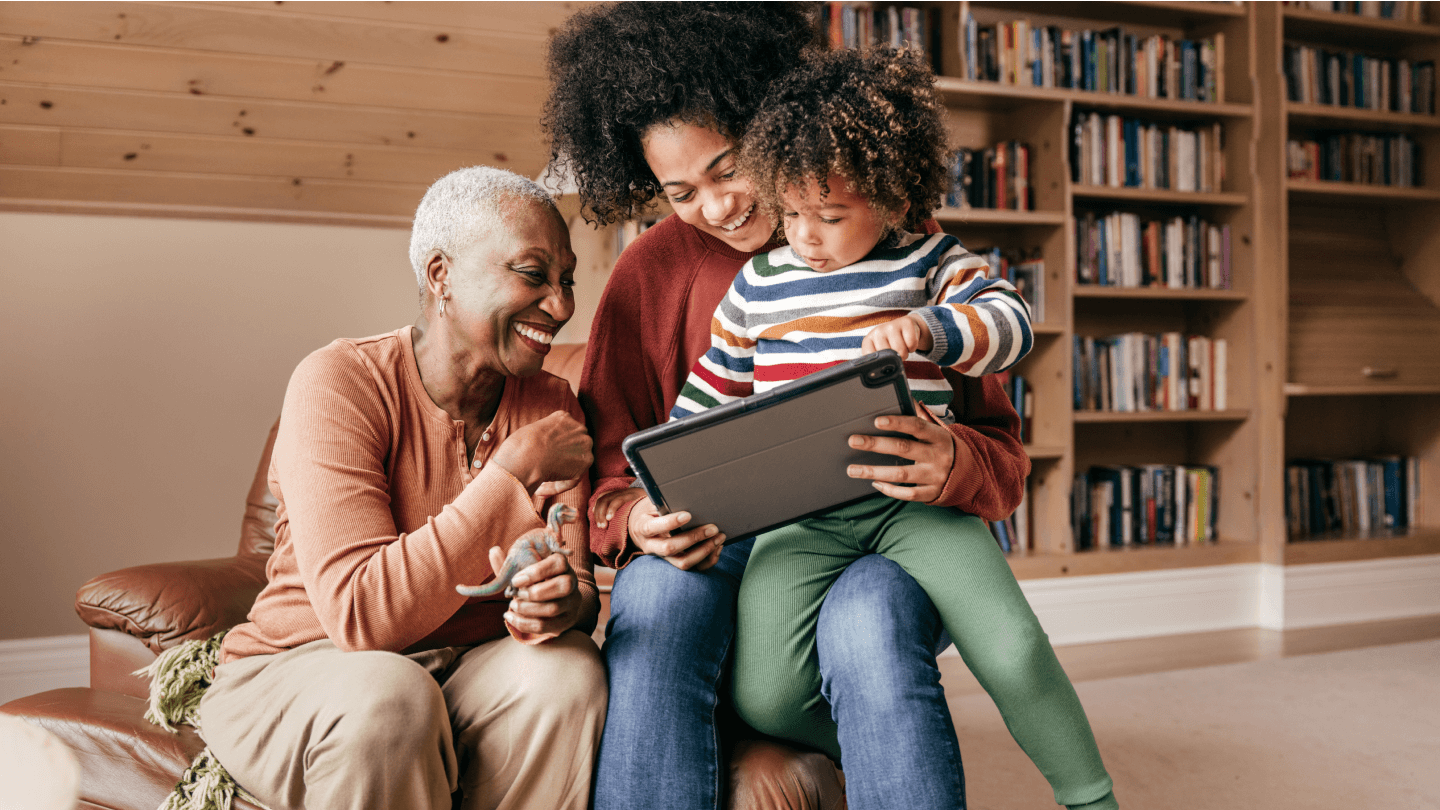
[773, 458]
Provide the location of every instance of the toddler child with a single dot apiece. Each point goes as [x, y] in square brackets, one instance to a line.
[849, 154]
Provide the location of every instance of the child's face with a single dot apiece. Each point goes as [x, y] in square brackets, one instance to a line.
[831, 231]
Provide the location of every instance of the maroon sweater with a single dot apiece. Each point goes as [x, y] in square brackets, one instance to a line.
[654, 322]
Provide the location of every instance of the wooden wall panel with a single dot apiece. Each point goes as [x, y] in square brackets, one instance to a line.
[310, 111]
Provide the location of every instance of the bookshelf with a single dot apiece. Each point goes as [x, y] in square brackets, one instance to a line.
[1357, 349]
[1305, 377]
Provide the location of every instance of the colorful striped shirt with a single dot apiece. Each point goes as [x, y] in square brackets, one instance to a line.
[782, 320]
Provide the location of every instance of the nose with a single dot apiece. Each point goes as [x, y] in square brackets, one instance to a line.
[801, 232]
[719, 207]
[559, 303]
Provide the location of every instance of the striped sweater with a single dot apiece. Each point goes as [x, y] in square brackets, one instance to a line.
[781, 320]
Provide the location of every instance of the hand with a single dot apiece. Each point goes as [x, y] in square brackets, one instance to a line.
[692, 550]
[906, 335]
[554, 452]
[931, 448]
[548, 597]
[610, 502]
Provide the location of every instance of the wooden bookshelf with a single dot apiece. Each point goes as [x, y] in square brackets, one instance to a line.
[1358, 360]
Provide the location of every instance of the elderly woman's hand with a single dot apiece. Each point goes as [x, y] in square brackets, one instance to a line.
[548, 597]
[931, 448]
[554, 451]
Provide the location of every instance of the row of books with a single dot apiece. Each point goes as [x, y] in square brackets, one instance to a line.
[1123, 250]
[1355, 496]
[1111, 150]
[1150, 504]
[1356, 157]
[1107, 61]
[1407, 10]
[1351, 79]
[1136, 371]
[994, 177]
[1025, 270]
[863, 25]
[1013, 533]
[1022, 397]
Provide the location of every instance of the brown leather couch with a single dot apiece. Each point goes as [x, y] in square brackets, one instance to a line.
[135, 614]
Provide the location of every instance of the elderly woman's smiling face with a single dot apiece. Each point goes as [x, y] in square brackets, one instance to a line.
[511, 290]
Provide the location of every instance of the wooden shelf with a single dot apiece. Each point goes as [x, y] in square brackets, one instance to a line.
[1156, 293]
[1156, 195]
[1354, 29]
[1047, 329]
[1333, 115]
[1045, 451]
[1378, 389]
[997, 216]
[986, 95]
[1136, 558]
[1131, 12]
[1121, 417]
[1324, 190]
[1403, 543]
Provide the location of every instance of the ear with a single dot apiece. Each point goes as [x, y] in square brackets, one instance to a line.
[437, 274]
[899, 220]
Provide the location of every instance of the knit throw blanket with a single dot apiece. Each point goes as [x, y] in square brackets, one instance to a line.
[178, 679]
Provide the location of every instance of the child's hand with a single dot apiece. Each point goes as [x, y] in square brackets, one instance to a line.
[610, 502]
[906, 335]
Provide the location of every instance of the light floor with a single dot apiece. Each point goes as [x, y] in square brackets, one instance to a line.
[1336, 718]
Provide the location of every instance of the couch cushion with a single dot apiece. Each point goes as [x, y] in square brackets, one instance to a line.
[126, 763]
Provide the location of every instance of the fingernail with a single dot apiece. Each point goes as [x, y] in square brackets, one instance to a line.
[520, 581]
[883, 421]
[600, 523]
[509, 617]
[710, 531]
[856, 441]
[523, 594]
[852, 471]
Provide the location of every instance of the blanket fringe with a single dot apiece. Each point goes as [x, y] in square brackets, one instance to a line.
[178, 680]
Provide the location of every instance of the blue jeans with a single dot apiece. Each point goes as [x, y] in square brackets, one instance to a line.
[667, 648]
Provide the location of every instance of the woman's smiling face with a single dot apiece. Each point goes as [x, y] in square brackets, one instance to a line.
[696, 167]
[512, 290]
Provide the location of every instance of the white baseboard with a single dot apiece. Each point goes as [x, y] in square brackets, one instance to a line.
[30, 665]
[1113, 607]
[1368, 590]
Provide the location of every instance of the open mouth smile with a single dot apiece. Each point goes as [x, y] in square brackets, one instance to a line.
[741, 220]
[537, 339]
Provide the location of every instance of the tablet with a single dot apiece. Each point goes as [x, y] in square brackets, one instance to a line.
[773, 458]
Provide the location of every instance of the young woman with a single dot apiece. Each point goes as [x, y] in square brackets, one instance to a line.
[649, 100]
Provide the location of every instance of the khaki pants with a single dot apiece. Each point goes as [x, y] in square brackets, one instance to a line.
[512, 726]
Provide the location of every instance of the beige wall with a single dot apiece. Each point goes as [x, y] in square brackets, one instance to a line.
[143, 361]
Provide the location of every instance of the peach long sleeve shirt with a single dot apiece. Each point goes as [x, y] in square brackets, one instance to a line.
[381, 514]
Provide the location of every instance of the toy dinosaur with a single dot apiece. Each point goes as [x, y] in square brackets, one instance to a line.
[532, 547]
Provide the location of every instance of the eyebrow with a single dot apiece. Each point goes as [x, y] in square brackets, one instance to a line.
[712, 164]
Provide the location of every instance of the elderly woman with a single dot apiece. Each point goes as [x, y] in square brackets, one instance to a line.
[363, 679]
[649, 100]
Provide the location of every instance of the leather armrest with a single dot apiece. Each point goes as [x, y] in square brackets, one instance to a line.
[166, 603]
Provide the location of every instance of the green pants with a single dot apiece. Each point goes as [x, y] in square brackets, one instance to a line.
[958, 564]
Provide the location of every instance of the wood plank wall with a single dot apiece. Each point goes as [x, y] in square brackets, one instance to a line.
[337, 112]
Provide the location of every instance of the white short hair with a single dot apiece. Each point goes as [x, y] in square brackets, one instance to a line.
[455, 210]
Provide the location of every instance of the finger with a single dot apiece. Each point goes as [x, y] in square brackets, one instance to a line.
[497, 559]
[682, 544]
[893, 446]
[538, 625]
[867, 346]
[714, 556]
[550, 489]
[548, 590]
[896, 474]
[552, 566]
[899, 493]
[660, 526]
[696, 556]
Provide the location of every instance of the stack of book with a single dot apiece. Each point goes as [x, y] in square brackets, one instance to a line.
[1366, 496]
[1388, 159]
[1108, 61]
[1122, 250]
[1111, 150]
[1139, 372]
[1150, 504]
[1022, 397]
[997, 177]
[863, 25]
[1407, 10]
[1350, 79]
[1025, 270]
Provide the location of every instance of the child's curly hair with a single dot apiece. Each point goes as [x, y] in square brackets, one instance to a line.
[873, 118]
[617, 70]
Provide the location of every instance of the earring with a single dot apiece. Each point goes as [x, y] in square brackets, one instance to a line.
[443, 299]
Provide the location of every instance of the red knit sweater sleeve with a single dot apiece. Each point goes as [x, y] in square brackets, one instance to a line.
[988, 477]
[620, 390]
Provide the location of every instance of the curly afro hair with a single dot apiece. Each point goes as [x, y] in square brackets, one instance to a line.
[616, 70]
[873, 118]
